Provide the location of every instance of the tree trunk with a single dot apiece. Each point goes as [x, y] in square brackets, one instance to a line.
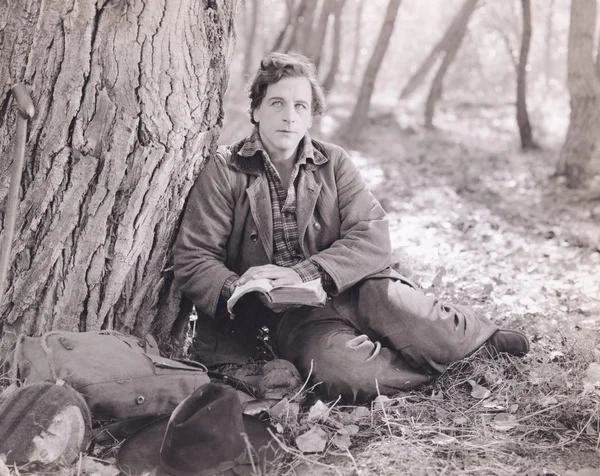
[584, 88]
[297, 21]
[128, 102]
[451, 49]
[336, 47]
[251, 38]
[549, 33]
[360, 112]
[317, 40]
[522, 115]
[283, 37]
[357, 41]
[305, 31]
[448, 38]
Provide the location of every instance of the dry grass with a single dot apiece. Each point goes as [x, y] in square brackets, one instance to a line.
[537, 420]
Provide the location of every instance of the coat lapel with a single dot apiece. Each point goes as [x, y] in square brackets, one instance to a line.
[260, 206]
[307, 194]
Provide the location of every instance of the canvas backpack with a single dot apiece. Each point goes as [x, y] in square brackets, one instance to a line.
[121, 377]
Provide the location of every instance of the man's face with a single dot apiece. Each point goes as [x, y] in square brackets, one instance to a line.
[284, 116]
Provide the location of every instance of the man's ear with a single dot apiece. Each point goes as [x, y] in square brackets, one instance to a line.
[254, 115]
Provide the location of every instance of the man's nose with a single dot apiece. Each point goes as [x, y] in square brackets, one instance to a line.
[289, 114]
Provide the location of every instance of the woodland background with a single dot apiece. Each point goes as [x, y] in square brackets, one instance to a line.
[475, 124]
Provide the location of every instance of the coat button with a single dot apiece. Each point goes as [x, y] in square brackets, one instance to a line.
[317, 226]
[254, 237]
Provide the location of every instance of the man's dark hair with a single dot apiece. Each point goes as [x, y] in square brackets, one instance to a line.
[276, 66]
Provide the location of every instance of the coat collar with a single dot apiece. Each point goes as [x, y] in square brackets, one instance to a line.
[250, 154]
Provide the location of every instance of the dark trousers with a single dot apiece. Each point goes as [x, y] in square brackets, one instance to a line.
[382, 336]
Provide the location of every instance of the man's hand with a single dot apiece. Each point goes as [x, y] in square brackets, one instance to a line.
[278, 275]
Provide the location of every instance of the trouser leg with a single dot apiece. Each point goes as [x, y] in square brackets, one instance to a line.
[324, 345]
[426, 331]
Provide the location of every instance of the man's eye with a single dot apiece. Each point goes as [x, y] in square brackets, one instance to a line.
[276, 103]
[301, 106]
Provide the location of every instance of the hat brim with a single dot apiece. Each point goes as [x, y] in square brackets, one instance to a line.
[140, 453]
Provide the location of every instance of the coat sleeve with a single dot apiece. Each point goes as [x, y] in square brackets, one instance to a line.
[201, 246]
[364, 246]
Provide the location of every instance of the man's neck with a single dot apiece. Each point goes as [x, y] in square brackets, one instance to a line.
[282, 157]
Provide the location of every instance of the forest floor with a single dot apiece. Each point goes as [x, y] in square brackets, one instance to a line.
[475, 220]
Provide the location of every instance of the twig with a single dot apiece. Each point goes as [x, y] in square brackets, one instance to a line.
[299, 454]
[305, 382]
[386, 419]
[249, 449]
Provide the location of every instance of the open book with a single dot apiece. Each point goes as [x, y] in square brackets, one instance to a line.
[310, 293]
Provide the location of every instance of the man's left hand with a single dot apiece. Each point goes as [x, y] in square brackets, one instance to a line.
[278, 275]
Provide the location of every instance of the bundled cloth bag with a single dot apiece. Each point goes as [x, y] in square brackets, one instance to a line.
[122, 378]
[43, 423]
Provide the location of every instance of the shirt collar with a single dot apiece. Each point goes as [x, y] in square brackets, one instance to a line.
[253, 144]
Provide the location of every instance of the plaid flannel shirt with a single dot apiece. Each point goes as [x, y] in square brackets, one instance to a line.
[286, 245]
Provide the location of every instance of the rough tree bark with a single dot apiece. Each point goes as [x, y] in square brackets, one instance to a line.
[360, 112]
[129, 103]
[451, 50]
[251, 37]
[527, 141]
[448, 38]
[336, 47]
[584, 88]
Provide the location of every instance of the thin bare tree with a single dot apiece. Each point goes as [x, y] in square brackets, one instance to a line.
[584, 88]
[124, 121]
[336, 47]
[451, 49]
[525, 132]
[294, 10]
[317, 38]
[357, 40]
[548, 34]
[448, 38]
[360, 112]
[252, 34]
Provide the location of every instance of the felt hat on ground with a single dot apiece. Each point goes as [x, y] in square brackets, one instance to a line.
[43, 423]
[206, 434]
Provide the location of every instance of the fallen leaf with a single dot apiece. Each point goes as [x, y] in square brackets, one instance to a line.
[592, 375]
[284, 410]
[556, 355]
[439, 395]
[343, 442]
[312, 441]
[360, 413]
[504, 422]
[349, 430]
[93, 466]
[317, 411]
[584, 472]
[513, 408]
[382, 402]
[479, 392]
[548, 400]
[460, 420]
[442, 439]
[494, 405]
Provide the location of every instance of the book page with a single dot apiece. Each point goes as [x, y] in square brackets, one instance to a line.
[261, 285]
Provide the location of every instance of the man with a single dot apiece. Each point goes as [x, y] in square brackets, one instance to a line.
[281, 206]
